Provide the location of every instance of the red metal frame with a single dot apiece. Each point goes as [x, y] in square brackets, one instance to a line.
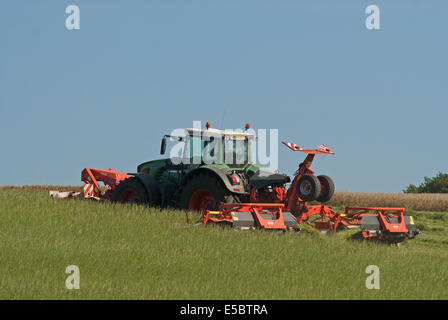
[354, 215]
[304, 168]
[109, 177]
[226, 210]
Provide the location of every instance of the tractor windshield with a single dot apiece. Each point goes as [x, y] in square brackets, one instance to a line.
[236, 151]
[229, 149]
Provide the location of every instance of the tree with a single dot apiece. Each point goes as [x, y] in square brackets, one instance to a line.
[437, 184]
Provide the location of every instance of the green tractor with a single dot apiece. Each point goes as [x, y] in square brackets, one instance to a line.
[215, 167]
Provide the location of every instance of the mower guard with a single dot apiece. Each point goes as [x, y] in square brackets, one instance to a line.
[251, 215]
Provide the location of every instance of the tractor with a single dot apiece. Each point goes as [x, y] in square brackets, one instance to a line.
[215, 176]
[194, 182]
[216, 167]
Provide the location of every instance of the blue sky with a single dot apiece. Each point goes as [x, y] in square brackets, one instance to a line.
[104, 95]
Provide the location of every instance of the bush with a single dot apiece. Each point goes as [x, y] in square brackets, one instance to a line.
[437, 184]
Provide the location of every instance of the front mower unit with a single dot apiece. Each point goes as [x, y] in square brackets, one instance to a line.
[252, 215]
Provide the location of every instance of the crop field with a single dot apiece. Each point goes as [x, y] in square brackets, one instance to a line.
[414, 201]
[136, 252]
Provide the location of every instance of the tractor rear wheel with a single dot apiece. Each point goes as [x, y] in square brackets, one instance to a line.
[204, 192]
[326, 188]
[308, 187]
[130, 191]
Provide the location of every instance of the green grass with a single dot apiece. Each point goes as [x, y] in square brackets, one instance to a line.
[135, 252]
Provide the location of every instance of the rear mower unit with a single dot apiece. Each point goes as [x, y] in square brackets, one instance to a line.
[389, 224]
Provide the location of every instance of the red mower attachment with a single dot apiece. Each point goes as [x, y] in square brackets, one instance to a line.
[305, 185]
[251, 215]
[383, 223]
[109, 177]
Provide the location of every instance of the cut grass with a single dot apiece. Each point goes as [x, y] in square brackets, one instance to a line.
[135, 252]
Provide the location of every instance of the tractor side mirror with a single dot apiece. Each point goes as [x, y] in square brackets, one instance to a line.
[163, 146]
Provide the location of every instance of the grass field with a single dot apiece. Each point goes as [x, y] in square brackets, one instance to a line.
[135, 252]
[413, 201]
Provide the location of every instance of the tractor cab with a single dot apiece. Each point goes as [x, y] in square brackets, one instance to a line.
[195, 149]
[213, 146]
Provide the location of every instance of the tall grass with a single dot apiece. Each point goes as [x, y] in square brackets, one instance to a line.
[135, 252]
[414, 201]
[43, 187]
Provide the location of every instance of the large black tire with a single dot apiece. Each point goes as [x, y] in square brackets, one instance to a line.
[130, 190]
[327, 188]
[308, 187]
[198, 192]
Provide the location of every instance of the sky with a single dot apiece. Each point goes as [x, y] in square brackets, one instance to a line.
[103, 95]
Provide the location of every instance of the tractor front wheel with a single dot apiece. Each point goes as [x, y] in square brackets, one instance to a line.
[130, 191]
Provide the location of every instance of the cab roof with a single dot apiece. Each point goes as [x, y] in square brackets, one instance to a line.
[225, 133]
